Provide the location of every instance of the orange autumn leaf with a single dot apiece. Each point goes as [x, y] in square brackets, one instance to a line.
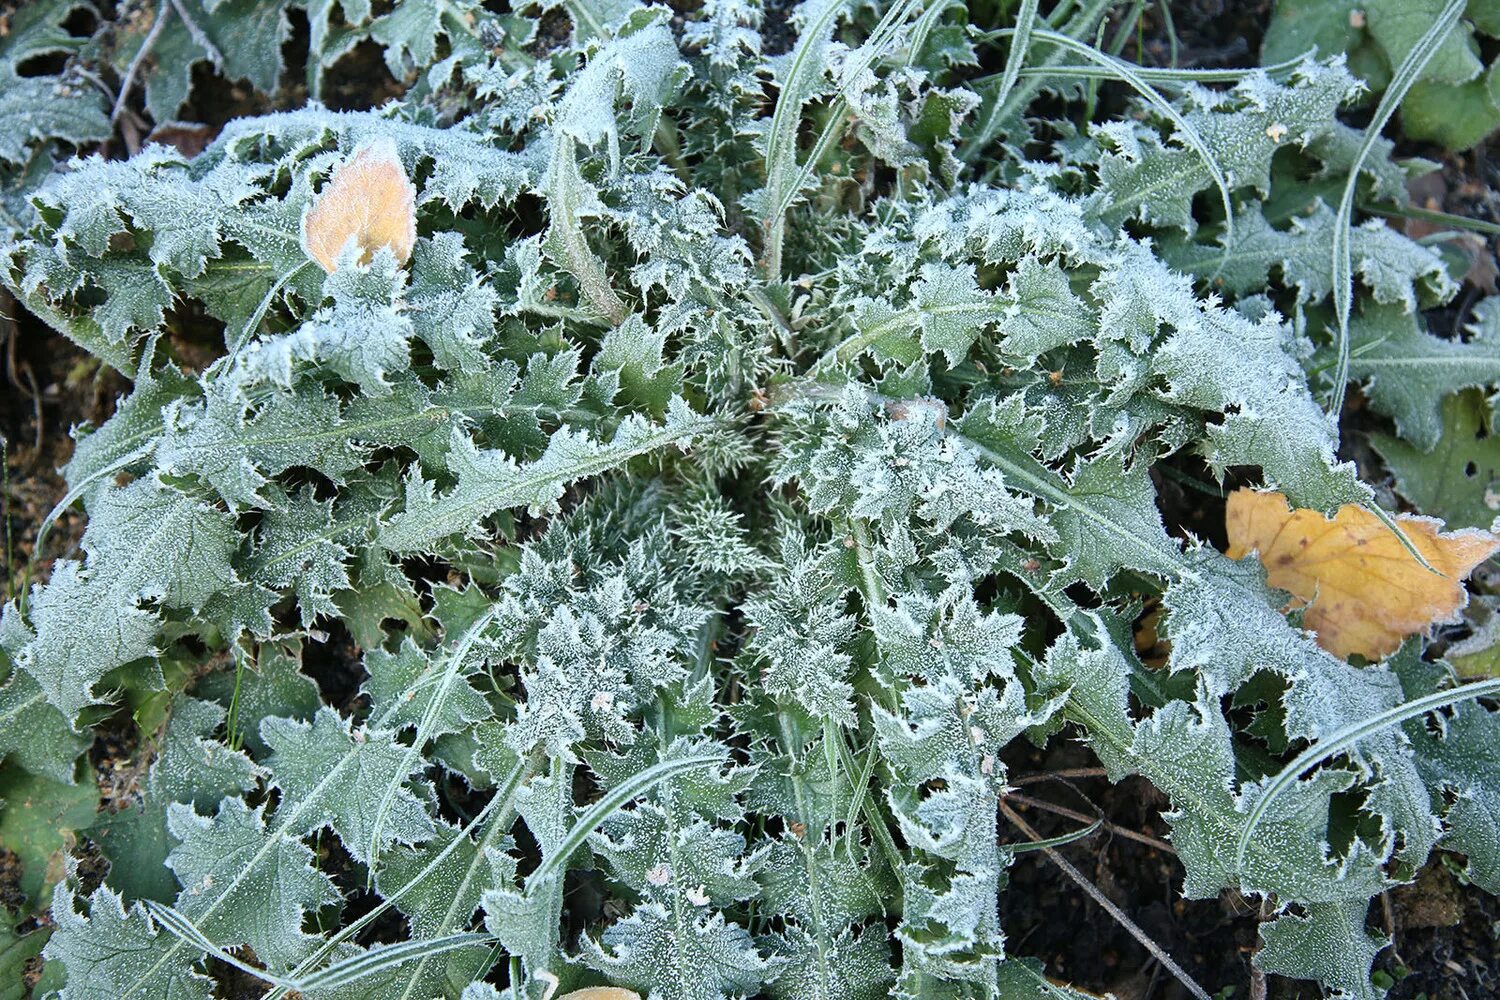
[1363, 590]
[368, 200]
[601, 993]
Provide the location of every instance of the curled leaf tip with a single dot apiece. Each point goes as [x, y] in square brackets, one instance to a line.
[1363, 589]
[368, 200]
[601, 993]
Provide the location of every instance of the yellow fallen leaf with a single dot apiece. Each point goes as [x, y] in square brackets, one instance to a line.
[1363, 591]
[601, 993]
[368, 200]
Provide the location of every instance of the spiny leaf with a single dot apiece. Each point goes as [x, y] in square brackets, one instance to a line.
[489, 481]
[244, 885]
[145, 542]
[114, 953]
[303, 758]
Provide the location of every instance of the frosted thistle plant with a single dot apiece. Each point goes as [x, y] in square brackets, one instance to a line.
[650, 483]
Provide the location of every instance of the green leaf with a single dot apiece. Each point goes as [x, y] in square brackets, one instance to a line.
[34, 734]
[1459, 479]
[1327, 942]
[1398, 27]
[1330, 26]
[114, 953]
[1459, 117]
[16, 952]
[192, 768]
[1407, 372]
[305, 756]
[38, 823]
[241, 38]
[272, 685]
[242, 885]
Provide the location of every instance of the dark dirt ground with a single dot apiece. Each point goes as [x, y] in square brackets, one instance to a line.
[1446, 938]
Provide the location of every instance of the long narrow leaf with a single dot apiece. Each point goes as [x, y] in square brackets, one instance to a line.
[184, 930]
[352, 970]
[600, 811]
[500, 800]
[1020, 41]
[434, 707]
[1343, 265]
[1347, 737]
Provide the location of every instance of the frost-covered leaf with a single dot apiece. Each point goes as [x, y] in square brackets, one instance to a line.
[1329, 943]
[1397, 270]
[708, 957]
[331, 774]
[409, 689]
[1185, 750]
[490, 481]
[243, 884]
[241, 38]
[737, 403]
[112, 951]
[1456, 757]
[1143, 177]
[853, 966]
[192, 768]
[272, 685]
[452, 308]
[41, 108]
[146, 542]
[362, 337]
[802, 635]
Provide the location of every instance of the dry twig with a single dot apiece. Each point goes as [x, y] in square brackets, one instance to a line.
[1114, 911]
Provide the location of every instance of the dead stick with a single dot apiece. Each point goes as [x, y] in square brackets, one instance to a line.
[1072, 772]
[1257, 974]
[199, 36]
[1114, 911]
[162, 13]
[1053, 807]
